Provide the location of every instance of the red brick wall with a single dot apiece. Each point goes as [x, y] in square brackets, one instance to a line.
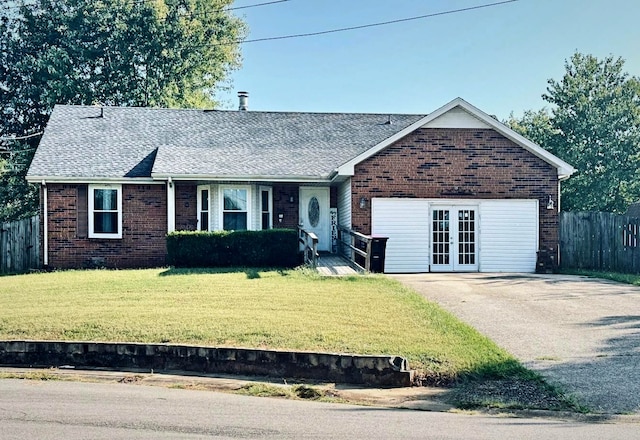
[186, 207]
[144, 227]
[457, 164]
[281, 205]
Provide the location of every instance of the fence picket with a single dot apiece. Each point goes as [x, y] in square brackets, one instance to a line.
[599, 241]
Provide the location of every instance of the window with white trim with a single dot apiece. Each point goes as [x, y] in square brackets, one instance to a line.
[235, 207]
[204, 204]
[266, 207]
[105, 211]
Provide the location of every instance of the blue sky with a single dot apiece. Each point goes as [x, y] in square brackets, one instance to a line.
[498, 58]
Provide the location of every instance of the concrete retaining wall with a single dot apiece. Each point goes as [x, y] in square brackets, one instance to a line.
[383, 371]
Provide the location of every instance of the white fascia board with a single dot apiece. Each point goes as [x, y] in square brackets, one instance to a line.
[93, 180]
[564, 169]
[250, 178]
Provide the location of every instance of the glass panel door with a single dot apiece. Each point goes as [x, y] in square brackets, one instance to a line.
[454, 239]
[440, 240]
[466, 258]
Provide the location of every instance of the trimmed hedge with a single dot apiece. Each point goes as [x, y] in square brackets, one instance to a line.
[268, 248]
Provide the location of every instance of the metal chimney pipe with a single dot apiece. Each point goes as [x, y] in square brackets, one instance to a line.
[244, 101]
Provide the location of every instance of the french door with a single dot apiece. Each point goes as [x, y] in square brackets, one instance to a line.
[454, 238]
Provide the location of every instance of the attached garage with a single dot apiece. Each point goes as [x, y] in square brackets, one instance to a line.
[458, 191]
[457, 235]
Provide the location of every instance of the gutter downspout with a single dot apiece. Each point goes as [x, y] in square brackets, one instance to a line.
[332, 175]
[45, 232]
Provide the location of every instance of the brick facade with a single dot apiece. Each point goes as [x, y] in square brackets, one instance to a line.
[186, 207]
[457, 164]
[144, 227]
[428, 163]
[282, 194]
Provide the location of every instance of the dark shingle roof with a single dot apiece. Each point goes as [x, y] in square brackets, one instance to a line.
[136, 142]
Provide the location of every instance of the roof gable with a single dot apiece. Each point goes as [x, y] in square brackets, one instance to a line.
[460, 114]
[457, 117]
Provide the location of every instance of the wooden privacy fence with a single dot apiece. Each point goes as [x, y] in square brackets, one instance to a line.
[600, 241]
[20, 245]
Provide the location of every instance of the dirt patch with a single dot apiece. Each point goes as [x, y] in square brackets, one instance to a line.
[131, 379]
[305, 392]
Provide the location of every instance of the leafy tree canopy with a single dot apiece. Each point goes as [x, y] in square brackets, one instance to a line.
[164, 53]
[593, 124]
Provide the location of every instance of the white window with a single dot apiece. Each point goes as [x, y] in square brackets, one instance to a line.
[204, 204]
[266, 207]
[235, 212]
[105, 211]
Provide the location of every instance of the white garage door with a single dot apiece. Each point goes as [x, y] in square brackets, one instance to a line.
[406, 223]
[457, 235]
[509, 235]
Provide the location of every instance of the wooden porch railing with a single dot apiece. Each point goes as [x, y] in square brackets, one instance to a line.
[357, 248]
[308, 243]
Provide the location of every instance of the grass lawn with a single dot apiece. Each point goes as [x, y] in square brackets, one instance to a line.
[295, 310]
[615, 276]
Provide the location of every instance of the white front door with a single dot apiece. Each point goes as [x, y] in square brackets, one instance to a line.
[454, 238]
[314, 214]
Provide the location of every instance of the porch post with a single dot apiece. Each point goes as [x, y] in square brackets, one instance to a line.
[171, 206]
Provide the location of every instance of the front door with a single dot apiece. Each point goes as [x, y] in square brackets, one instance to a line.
[454, 238]
[314, 214]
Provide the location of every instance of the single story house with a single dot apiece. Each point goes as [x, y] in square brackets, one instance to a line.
[453, 190]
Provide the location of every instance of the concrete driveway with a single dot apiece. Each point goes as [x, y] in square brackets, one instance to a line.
[580, 333]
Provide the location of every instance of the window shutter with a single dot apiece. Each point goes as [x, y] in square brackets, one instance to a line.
[82, 223]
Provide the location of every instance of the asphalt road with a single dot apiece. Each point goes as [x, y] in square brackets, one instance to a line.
[73, 411]
[580, 333]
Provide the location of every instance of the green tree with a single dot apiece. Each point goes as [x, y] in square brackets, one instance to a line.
[161, 53]
[593, 124]
[536, 125]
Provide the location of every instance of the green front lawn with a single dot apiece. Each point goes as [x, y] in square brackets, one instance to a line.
[294, 310]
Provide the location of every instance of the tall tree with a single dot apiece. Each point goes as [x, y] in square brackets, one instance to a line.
[594, 124]
[166, 53]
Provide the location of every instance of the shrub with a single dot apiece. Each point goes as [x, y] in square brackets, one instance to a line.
[268, 248]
